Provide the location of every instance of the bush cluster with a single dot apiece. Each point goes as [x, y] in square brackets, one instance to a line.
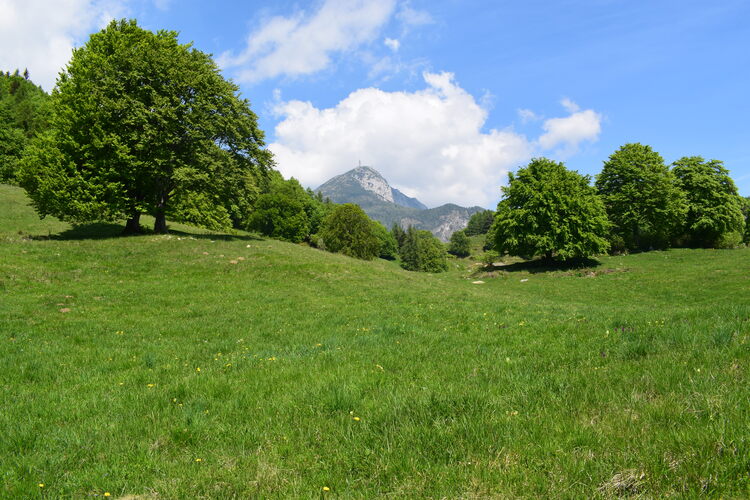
[422, 251]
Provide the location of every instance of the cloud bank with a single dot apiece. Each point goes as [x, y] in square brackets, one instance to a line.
[303, 43]
[40, 34]
[429, 143]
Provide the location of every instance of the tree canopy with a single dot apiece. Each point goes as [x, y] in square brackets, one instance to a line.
[422, 251]
[714, 205]
[460, 246]
[347, 229]
[287, 211]
[141, 122]
[550, 211]
[746, 214]
[23, 115]
[643, 203]
[387, 242]
[480, 223]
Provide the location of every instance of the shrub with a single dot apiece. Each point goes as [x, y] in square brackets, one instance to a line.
[422, 251]
[729, 240]
[388, 246]
[348, 230]
[286, 212]
[460, 246]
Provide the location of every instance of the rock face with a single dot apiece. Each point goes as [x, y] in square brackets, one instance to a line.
[369, 180]
[368, 189]
[455, 220]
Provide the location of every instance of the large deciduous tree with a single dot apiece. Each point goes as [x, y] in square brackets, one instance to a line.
[714, 205]
[550, 211]
[643, 203]
[140, 122]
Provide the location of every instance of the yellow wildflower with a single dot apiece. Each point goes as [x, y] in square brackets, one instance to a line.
[326, 488]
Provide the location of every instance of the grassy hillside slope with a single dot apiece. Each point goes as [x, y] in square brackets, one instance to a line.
[199, 366]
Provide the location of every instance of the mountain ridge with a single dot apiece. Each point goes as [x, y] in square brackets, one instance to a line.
[371, 180]
[367, 188]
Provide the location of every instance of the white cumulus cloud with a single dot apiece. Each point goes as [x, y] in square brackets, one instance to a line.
[304, 42]
[569, 132]
[413, 17]
[392, 44]
[526, 116]
[40, 34]
[428, 143]
[569, 105]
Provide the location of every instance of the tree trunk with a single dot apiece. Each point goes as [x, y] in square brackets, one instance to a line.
[160, 222]
[133, 225]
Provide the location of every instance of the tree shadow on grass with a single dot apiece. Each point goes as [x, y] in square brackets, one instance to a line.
[110, 230]
[222, 237]
[537, 266]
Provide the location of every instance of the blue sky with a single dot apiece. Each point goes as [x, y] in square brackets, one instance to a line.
[444, 97]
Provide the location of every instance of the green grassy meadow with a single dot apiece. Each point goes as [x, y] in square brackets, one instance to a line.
[196, 365]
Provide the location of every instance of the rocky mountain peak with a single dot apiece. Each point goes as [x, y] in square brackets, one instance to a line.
[371, 180]
[368, 189]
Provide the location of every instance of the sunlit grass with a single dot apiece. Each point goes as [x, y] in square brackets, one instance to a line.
[193, 365]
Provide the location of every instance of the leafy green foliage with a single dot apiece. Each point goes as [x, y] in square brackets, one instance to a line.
[140, 121]
[398, 234]
[348, 230]
[422, 251]
[643, 203]
[714, 206]
[23, 115]
[460, 246]
[746, 214]
[199, 209]
[480, 223]
[287, 212]
[388, 245]
[551, 211]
